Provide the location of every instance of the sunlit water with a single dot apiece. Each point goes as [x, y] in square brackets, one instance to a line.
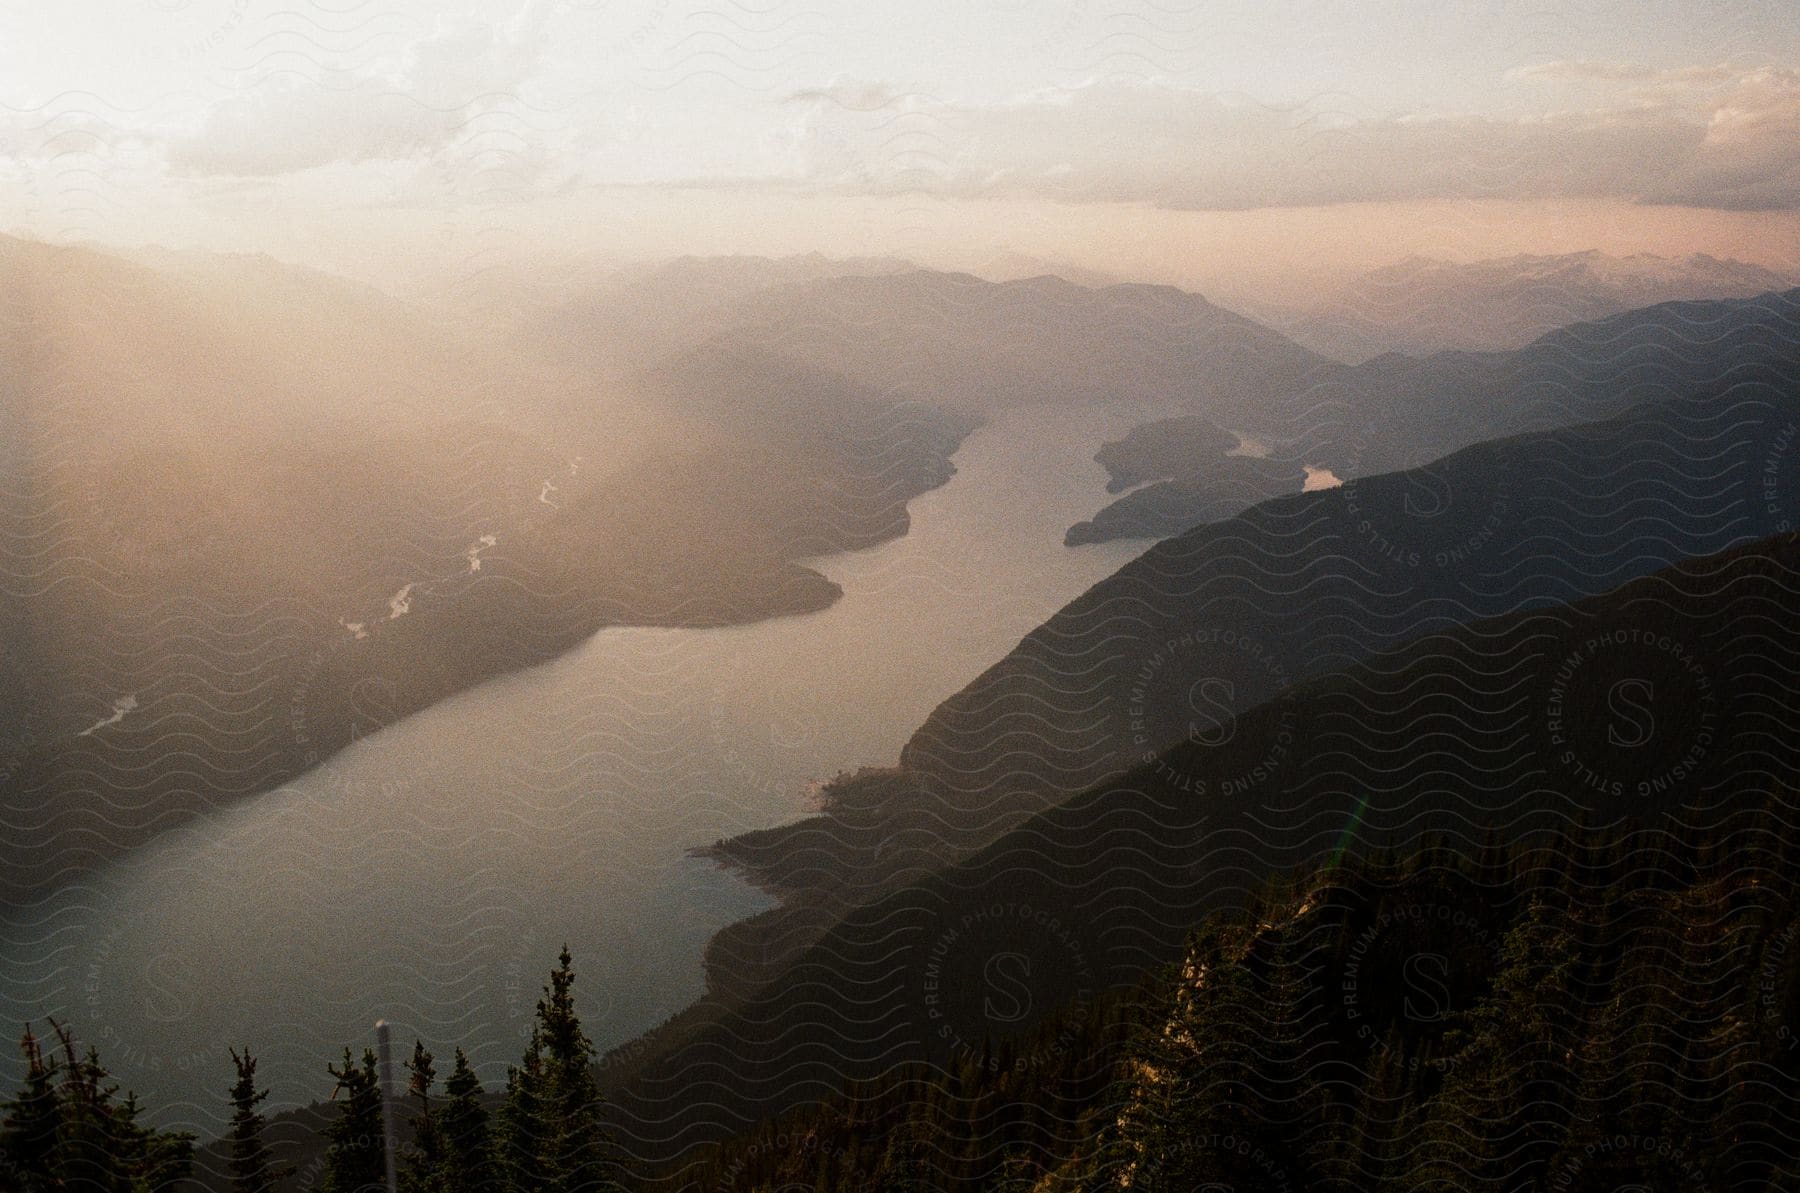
[430, 873]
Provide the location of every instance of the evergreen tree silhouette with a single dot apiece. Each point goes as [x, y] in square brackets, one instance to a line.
[67, 1129]
[469, 1165]
[252, 1166]
[576, 1153]
[28, 1133]
[553, 1136]
[522, 1121]
[355, 1161]
[424, 1168]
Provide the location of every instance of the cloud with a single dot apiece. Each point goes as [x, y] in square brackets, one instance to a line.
[1749, 156]
[1732, 146]
[856, 95]
[421, 108]
[293, 125]
[1583, 70]
[443, 122]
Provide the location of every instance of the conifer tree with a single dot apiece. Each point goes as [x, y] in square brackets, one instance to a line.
[521, 1121]
[88, 1136]
[578, 1155]
[155, 1160]
[554, 1138]
[467, 1141]
[67, 1129]
[355, 1160]
[28, 1132]
[424, 1170]
[252, 1165]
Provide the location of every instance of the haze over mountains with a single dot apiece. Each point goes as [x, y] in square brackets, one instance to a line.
[1095, 596]
[951, 338]
[768, 410]
[1423, 304]
[254, 513]
[1240, 412]
[636, 315]
[668, 447]
[1397, 411]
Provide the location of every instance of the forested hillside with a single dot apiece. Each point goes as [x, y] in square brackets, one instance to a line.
[1516, 727]
[1593, 1010]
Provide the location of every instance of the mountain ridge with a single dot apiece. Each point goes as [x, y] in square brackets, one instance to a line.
[1102, 887]
[1398, 411]
[1423, 304]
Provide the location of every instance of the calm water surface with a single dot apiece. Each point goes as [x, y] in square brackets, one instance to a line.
[429, 873]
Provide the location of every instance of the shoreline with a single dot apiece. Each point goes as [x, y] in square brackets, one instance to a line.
[520, 610]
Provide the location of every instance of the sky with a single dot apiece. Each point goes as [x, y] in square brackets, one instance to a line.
[1183, 140]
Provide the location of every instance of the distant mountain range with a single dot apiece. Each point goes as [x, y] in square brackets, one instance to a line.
[1398, 411]
[1423, 305]
[1015, 266]
[1236, 411]
[950, 339]
[978, 345]
[636, 316]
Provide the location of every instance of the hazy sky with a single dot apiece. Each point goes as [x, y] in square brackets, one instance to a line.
[1186, 138]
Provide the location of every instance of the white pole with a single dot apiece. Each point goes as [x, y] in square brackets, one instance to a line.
[388, 1126]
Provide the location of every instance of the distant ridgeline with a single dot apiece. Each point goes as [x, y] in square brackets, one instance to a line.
[1399, 411]
[1663, 709]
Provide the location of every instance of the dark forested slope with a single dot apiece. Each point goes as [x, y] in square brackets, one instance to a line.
[1664, 703]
